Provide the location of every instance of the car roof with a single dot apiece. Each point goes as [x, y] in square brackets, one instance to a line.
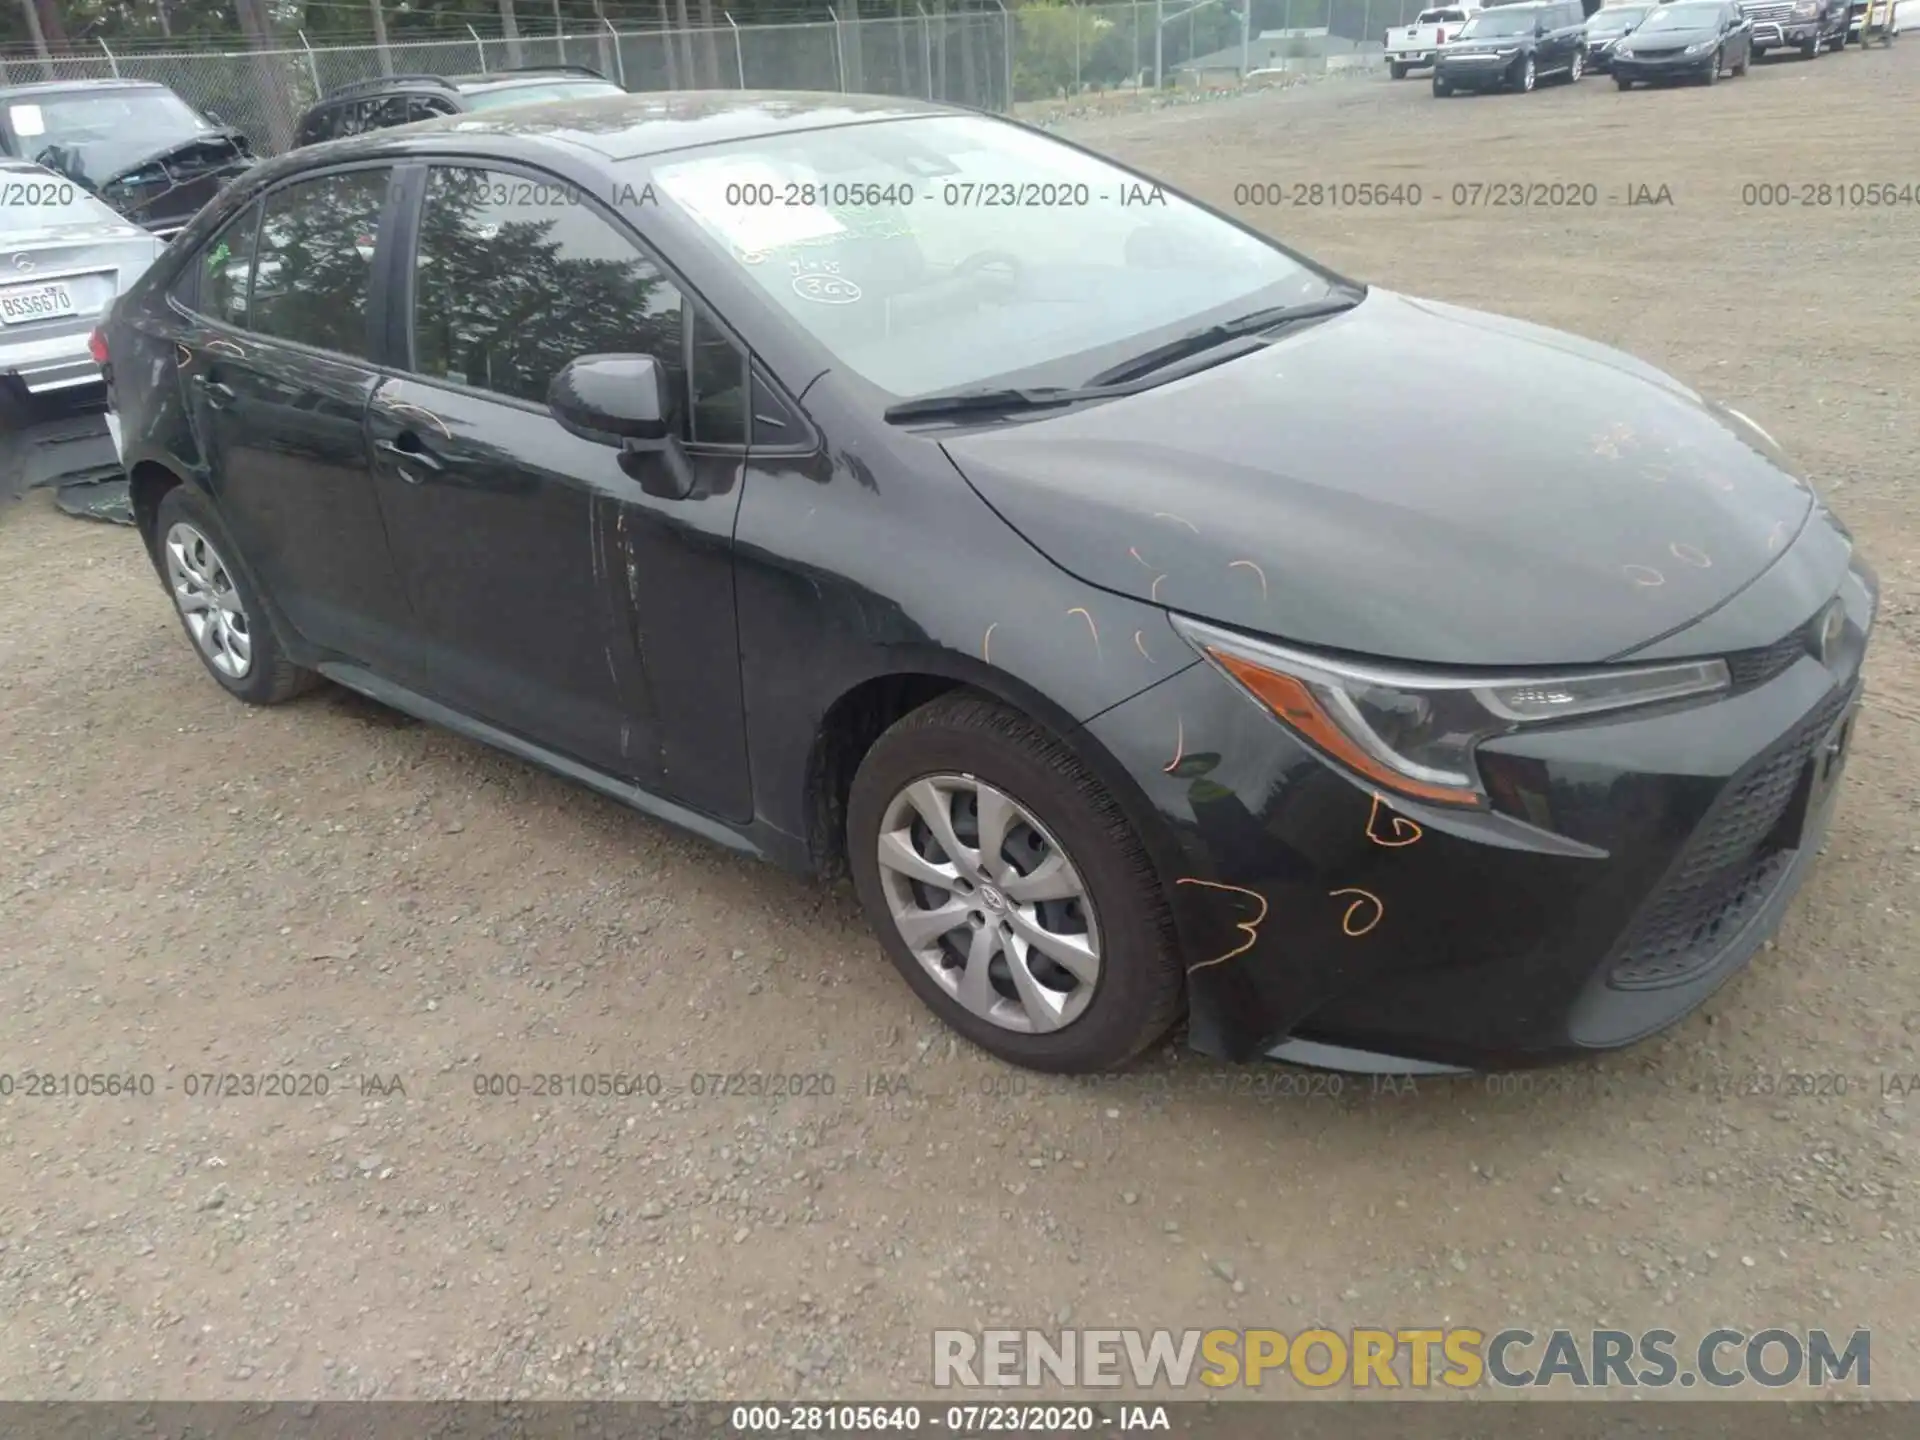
[628, 126]
[506, 80]
[59, 87]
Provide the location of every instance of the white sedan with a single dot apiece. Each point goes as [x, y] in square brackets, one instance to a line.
[65, 257]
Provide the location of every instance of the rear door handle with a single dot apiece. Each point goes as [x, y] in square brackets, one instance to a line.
[415, 454]
[219, 395]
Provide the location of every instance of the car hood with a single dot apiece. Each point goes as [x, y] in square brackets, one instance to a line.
[1673, 38]
[1408, 480]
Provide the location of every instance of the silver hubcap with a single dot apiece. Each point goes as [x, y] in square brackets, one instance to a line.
[1579, 64]
[208, 602]
[1526, 76]
[989, 903]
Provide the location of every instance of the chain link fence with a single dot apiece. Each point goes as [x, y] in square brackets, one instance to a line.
[987, 59]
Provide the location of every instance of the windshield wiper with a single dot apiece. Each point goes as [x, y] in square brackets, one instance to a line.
[1199, 341]
[962, 402]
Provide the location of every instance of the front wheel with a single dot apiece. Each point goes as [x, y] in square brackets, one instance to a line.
[1529, 75]
[1623, 82]
[1441, 89]
[1577, 68]
[1712, 77]
[1812, 52]
[1745, 60]
[1010, 890]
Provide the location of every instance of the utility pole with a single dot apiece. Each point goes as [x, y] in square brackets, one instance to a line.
[38, 35]
[379, 36]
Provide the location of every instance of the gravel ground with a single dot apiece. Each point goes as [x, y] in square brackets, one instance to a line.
[326, 890]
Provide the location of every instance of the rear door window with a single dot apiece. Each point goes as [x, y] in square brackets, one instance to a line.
[314, 261]
[220, 274]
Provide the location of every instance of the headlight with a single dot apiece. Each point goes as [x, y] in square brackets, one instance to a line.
[1701, 48]
[1415, 732]
[1806, 9]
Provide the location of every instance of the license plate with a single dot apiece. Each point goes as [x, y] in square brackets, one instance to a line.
[26, 303]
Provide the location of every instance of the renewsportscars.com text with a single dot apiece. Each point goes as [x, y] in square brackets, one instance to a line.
[1418, 1358]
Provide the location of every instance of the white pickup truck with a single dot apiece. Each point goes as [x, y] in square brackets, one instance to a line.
[1409, 46]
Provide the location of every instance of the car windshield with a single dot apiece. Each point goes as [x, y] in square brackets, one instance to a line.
[535, 94]
[95, 136]
[1440, 17]
[36, 199]
[1618, 18]
[1508, 21]
[1682, 17]
[953, 251]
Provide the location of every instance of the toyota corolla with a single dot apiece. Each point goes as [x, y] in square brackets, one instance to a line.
[875, 487]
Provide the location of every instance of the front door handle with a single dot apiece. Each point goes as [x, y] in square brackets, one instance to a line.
[414, 454]
[219, 395]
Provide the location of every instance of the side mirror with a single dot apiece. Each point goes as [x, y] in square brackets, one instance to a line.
[631, 398]
[623, 395]
[214, 116]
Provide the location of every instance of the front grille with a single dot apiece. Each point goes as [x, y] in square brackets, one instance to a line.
[1773, 14]
[1735, 861]
[1667, 53]
[1749, 668]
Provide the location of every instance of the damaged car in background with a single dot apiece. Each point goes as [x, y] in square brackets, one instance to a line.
[134, 143]
[1106, 586]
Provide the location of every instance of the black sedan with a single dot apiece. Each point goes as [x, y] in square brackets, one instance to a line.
[1607, 27]
[1692, 40]
[871, 486]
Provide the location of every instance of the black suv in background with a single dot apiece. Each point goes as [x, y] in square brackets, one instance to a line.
[134, 143]
[388, 100]
[1510, 47]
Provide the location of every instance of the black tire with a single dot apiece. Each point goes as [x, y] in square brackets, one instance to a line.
[1441, 89]
[1623, 82]
[1745, 61]
[271, 678]
[1396, 70]
[1141, 989]
[1712, 77]
[1527, 76]
[1812, 52]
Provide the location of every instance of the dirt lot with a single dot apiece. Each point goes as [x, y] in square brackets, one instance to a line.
[192, 886]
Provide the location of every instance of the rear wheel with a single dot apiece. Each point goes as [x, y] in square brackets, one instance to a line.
[1396, 69]
[1010, 890]
[218, 609]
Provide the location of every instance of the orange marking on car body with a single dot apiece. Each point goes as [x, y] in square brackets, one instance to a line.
[1249, 928]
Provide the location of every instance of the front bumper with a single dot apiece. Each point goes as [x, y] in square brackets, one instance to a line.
[1464, 73]
[1413, 58]
[1630, 864]
[1767, 35]
[1663, 67]
[1600, 57]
